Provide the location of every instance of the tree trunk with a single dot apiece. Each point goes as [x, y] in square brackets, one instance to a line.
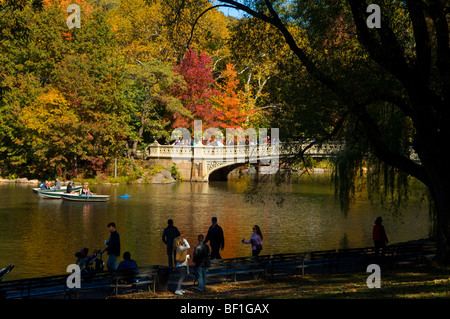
[442, 203]
[141, 130]
[440, 193]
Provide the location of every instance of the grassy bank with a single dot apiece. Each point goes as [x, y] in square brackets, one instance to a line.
[422, 282]
[129, 171]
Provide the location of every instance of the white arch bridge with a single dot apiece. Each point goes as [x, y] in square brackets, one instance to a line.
[204, 163]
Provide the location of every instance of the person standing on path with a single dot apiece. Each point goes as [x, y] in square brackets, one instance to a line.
[200, 258]
[380, 239]
[169, 234]
[181, 246]
[113, 248]
[256, 241]
[216, 239]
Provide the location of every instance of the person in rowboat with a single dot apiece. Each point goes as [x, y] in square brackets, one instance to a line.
[85, 190]
[57, 184]
[69, 189]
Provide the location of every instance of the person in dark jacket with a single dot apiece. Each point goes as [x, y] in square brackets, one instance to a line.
[201, 258]
[216, 239]
[169, 234]
[69, 187]
[127, 263]
[113, 248]
[380, 239]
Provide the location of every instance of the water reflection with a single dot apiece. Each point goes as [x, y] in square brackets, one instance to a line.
[41, 237]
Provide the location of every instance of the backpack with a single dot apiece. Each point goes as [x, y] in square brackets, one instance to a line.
[181, 255]
[199, 253]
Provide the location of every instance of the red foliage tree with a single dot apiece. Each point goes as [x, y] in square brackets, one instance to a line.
[199, 91]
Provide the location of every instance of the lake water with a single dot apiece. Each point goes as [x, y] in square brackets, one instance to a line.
[40, 236]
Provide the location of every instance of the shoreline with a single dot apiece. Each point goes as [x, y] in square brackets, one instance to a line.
[163, 177]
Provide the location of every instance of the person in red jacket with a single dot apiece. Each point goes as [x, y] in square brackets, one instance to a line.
[380, 239]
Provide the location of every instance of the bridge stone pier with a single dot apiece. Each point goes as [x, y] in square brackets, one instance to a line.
[204, 163]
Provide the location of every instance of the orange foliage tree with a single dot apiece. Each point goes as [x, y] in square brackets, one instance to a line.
[230, 102]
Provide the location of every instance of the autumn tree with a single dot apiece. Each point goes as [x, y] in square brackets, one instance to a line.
[210, 34]
[198, 93]
[233, 111]
[52, 130]
[155, 30]
[259, 61]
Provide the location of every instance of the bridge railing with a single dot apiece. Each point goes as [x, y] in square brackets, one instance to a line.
[244, 153]
[237, 153]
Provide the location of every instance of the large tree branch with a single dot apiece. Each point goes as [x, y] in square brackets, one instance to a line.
[239, 6]
[201, 14]
[386, 51]
[437, 12]
[422, 39]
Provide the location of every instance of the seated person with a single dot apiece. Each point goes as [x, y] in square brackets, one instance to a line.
[127, 262]
[57, 184]
[85, 190]
[129, 266]
[69, 188]
[44, 185]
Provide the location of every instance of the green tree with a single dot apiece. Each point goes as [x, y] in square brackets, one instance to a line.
[153, 103]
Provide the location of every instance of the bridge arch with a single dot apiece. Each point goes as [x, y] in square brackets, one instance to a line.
[220, 172]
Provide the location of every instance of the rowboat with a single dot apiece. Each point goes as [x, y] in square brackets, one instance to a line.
[51, 195]
[85, 198]
[62, 189]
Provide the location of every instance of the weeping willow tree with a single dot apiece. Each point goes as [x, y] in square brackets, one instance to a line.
[389, 87]
[356, 168]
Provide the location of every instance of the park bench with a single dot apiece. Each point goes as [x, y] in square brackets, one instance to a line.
[400, 254]
[405, 254]
[249, 266]
[139, 277]
[352, 259]
[119, 279]
[324, 259]
[57, 285]
[229, 268]
[278, 262]
[429, 250]
[40, 286]
[219, 268]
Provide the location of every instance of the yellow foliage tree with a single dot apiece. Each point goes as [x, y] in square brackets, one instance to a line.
[51, 129]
